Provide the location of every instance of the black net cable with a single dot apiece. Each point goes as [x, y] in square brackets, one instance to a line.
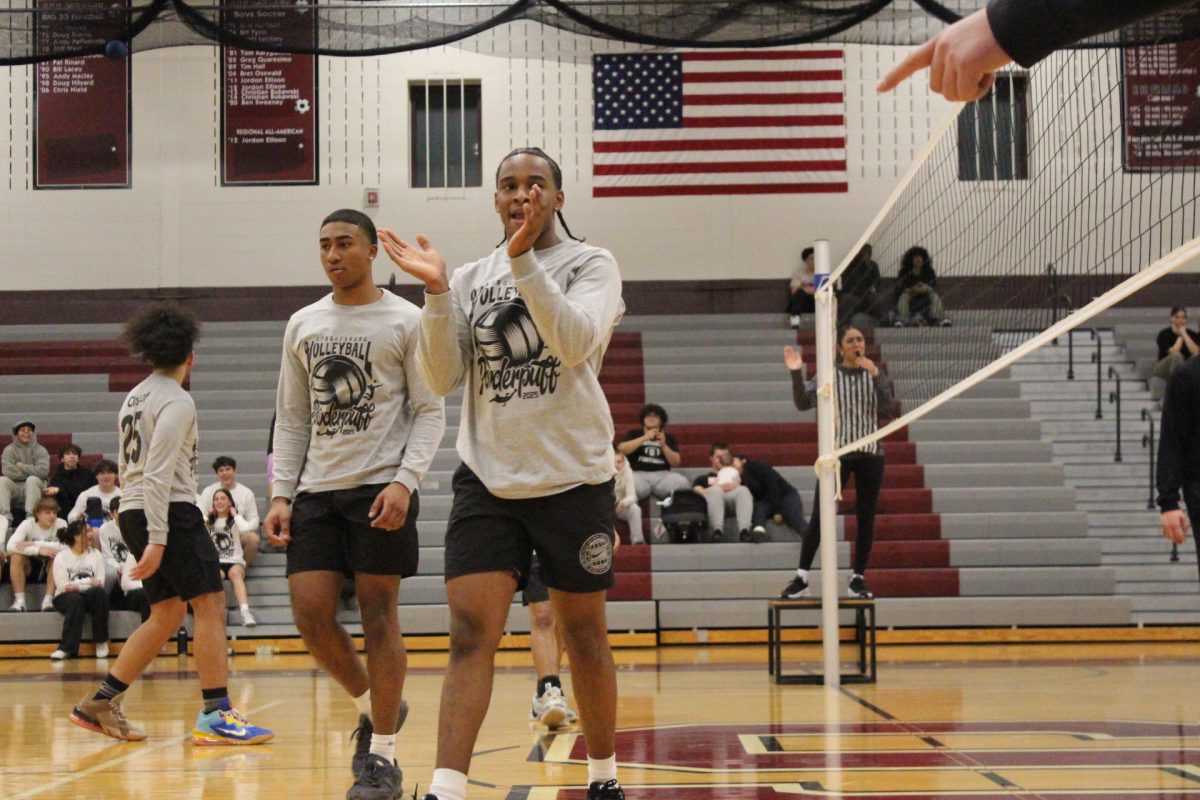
[40, 30]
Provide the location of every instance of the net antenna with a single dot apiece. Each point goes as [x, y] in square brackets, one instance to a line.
[1088, 163]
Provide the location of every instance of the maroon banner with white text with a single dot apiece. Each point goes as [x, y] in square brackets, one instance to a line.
[81, 105]
[1162, 107]
[269, 114]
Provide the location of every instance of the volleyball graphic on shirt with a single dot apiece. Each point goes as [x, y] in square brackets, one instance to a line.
[511, 357]
[80, 574]
[339, 382]
[223, 539]
[506, 331]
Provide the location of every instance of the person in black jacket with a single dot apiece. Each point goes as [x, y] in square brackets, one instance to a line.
[70, 480]
[917, 300]
[773, 497]
[964, 57]
[1179, 453]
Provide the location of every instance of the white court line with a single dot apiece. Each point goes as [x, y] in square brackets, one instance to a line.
[141, 751]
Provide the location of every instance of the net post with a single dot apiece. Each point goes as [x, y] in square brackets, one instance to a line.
[826, 463]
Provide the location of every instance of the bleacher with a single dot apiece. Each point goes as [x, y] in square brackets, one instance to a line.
[976, 525]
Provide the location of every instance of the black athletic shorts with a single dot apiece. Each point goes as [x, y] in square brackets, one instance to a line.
[535, 590]
[571, 532]
[331, 532]
[190, 566]
[225, 569]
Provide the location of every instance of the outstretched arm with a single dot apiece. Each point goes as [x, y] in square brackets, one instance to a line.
[963, 58]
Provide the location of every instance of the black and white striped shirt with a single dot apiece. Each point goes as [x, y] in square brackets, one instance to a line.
[860, 400]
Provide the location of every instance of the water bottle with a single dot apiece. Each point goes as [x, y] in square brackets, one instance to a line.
[181, 640]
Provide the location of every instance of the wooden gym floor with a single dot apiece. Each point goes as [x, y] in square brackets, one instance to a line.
[969, 722]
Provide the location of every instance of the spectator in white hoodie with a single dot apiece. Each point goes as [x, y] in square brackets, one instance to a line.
[33, 544]
[104, 491]
[79, 576]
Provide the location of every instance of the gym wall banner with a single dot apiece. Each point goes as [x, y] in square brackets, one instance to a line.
[1162, 107]
[269, 100]
[81, 106]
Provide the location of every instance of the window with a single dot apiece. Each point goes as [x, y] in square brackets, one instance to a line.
[993, 141]
[446, 141]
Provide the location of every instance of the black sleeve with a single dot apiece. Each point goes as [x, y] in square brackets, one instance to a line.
[930, 276]
[1177, 427]
[702, 481]
[671, 443]
[804, 392]
[1030, 30]
[1166, 339]
[631, 435]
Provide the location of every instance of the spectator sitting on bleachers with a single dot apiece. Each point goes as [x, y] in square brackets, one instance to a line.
[34, 544]
[917, 301]
[113, 548]
[70, 480]
[133, 596]
[1176, 344]
[243, 501]
[225, 525]
[104, 492]
[26, 468]
[801, 288]
[858, 296]
[627, 507]
[773, 497]
[652, 454]
[124, 592]
[79, 575]
[722, 489]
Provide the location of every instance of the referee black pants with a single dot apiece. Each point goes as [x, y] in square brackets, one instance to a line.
[868, 477]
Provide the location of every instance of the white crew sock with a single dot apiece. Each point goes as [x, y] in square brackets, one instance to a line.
[602, 769]
[448, 784]
[363, 703]
[384, 746]
[803, 573]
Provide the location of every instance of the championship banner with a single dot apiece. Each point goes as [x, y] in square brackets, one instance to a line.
[1162, 107]
[269, 100]
[81, 106]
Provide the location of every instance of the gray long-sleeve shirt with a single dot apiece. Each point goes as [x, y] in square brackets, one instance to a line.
[860, 401]
[33, 458]
[352, 408]
[527, 337]
[159, 450]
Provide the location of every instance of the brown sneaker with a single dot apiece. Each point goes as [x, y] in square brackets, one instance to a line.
[105, 716]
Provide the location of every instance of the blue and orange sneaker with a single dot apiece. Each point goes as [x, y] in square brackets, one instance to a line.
[226, 726]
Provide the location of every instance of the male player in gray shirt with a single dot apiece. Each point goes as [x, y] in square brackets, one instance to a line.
[525, 329]
[356, 429]
[177, 562]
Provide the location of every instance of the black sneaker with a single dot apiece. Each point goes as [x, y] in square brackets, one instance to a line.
[718, 535]
[609, 790]
[362, 738]
[858, 587]
[797, 588]
[744, 536]
[380, 780]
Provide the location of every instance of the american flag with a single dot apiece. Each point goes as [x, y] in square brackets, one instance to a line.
[719, 122]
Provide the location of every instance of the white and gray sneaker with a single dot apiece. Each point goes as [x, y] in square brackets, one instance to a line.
[551, 709]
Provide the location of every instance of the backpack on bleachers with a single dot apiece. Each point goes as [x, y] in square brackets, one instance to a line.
[686, 517]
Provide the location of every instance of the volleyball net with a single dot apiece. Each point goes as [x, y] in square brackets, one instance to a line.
[1068, 188]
